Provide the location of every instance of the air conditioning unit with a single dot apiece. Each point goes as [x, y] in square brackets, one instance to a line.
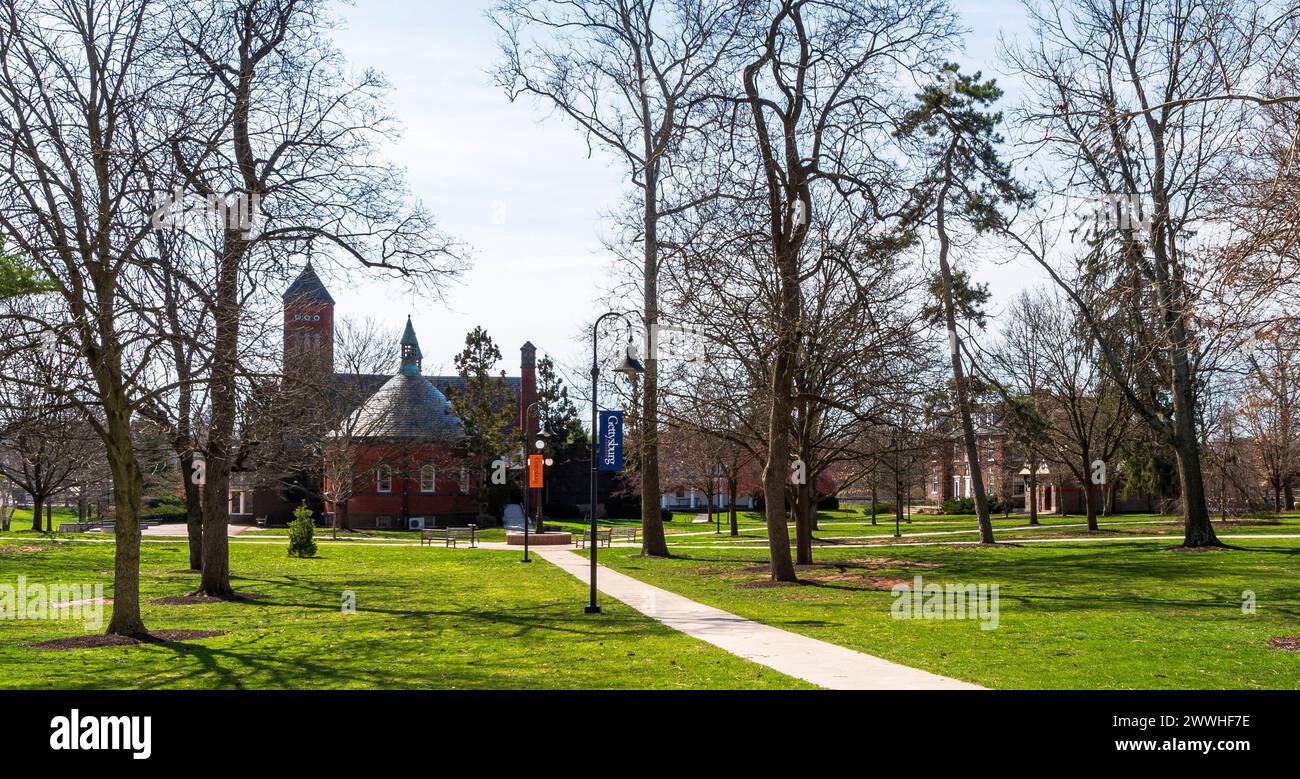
[415, 523]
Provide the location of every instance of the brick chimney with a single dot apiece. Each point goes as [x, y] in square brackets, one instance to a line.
[527, 392]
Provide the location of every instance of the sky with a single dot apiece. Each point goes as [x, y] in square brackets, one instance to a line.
[519, 186]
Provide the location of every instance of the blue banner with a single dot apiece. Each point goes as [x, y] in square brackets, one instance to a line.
[610, 426]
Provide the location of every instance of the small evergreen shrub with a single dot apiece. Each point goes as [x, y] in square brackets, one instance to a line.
[302, 530]
[959, 506]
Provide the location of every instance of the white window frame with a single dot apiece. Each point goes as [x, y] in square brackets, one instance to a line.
[432, 483]
[384, 479]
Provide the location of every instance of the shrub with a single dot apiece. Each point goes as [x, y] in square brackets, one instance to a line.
[487, 520]
[829, 503]
[666, 515]
[958, 506]
[301, 533]
[623, 507]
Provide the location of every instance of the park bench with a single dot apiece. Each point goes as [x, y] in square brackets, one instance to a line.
[450, 536]
[73, 527]
[259, 521]
[623, 534]
[603, 538]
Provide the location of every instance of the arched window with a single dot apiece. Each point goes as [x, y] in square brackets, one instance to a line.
[427, 478]
[384, 479]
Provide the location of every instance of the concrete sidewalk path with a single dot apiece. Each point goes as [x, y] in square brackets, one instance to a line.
[826, 665]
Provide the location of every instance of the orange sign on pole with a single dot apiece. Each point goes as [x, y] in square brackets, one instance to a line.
[535, 471]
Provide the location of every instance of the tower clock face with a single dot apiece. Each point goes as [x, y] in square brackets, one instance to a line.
[306, 317]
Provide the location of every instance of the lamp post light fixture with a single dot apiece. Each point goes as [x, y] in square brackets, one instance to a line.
[630, 367]
[532, 412]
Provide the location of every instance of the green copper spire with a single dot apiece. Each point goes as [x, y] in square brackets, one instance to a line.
[411, 357]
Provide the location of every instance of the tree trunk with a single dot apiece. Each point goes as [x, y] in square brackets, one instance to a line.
[38, 505]
[959, 379]
[803, 509]
[777, 470]
[1032, 497]
[128, 486]
[653, 541]
[1198, 531]
[1090, 507]
[731, 507]
[193, 512]
[873, 503]
[215, 581]
[1288, 494]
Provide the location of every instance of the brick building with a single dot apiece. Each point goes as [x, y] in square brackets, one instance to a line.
[403, 427]
[1006, 472]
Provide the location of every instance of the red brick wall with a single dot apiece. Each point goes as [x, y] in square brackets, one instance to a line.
[308, 337]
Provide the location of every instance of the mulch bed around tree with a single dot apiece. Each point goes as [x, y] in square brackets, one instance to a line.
[95, 640]
[844, 565]
[1247, 522]
[759, 584]
[1287, 643]
[194, 599]
[870, 582]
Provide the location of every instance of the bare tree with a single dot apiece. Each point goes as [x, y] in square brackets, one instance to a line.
[1270, 408]
[629, 73]
[1137, 102]
[75, 81]
[1077, 411]
[275, 131]
[43, 440]
[818, 104]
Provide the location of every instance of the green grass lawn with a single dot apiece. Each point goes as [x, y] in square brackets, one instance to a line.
[22, 519]
[1100, 615]
[843, 527]
[426, 618]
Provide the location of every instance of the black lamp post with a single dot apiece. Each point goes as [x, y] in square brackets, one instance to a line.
[529, 414]
[630, 367]
[898, 504]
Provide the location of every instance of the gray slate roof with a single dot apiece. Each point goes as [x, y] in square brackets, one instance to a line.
[420, 412]
[409, 407]
[308, 286]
